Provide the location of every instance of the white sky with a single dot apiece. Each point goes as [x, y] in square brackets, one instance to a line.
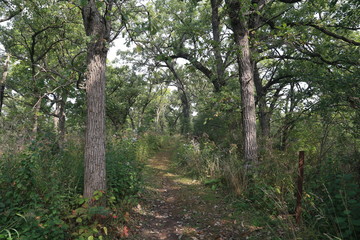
[119, 44]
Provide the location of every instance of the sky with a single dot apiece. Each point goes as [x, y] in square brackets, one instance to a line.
[119, 44]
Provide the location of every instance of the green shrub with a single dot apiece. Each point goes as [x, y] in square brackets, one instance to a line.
[92, 222]
[123, 169]
[40, 186]
[36, 188]
[336, 205]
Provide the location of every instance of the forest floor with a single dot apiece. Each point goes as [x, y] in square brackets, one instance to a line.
[177, 207]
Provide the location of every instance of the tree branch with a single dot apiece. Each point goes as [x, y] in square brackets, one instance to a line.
[334, 35]
[12, 14]
[198, 65]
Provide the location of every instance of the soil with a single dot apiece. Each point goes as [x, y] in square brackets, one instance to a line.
[175, 207]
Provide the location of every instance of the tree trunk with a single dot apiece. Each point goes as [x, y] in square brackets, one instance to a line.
[247, 101]
[288, 123]
[62, 121]
[59, 120]
[95, 169]
[263, 114]
[215, 22]
[98, 28]
[3, 81]
[185, 104]
[185, 118]
[159, 111]
[246, 78]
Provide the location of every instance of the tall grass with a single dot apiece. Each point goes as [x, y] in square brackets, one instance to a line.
[331, 199]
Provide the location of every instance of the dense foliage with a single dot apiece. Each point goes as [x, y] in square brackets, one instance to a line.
[41, 189]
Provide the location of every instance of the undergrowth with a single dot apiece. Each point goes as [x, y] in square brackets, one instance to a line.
[41, 187]
[331, 199]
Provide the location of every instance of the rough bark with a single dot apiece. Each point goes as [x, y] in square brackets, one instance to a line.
[98, 28]
[3, 81]
[246, 78]
[247, 101]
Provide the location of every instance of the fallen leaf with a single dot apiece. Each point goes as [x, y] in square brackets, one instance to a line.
[125, 232]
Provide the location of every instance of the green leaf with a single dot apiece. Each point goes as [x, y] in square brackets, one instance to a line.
[81, 200]
[22, 216]
[347, 212]
[9, 234]
[79, 220]
[138, 49]
[83, 2]
[17, 233]
[340, 220]
[99, 4]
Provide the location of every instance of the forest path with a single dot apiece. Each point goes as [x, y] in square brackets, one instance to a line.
[176, 207]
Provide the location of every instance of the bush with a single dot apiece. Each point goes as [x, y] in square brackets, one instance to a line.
[41, 187]
[336, 206]
[123, 169]
[37, 186]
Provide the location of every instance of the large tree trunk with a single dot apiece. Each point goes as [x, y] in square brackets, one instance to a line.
[98, 28]
[246, 78]
[247, 101]
[3, 81]
[95, 169]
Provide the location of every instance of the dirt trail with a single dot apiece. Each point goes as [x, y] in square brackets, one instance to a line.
[176, 207]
